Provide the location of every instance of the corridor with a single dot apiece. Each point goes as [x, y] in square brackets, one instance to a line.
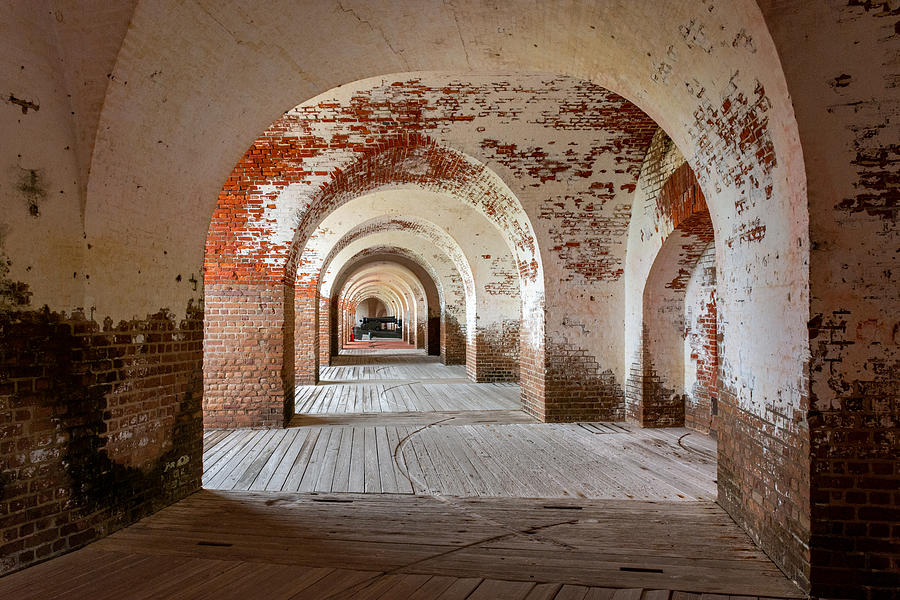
[401, 478]
[397, 421]
[332, 298]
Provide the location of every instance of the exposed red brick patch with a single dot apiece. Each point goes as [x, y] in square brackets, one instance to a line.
[578, 389]
[245, 329]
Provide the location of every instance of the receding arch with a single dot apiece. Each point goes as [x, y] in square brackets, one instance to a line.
[430, 334]
[671, 230]
[397, 278]
[408, 160]
[312, 303]
[663, 395]
[448, 340]
[484, 335]
[747, 229]
[493, 306]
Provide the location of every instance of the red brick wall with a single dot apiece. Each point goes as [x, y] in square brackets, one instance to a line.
[700, 413]
[100, 426]
[660, 405]
[763, 476]
[855, 475]
[849, 131]
[324, 332]
[306, 336]
[532, 376]
[576, 387]
[494, 355]
[453, 341]
[701, 337]
[532, 362]
[248, 369]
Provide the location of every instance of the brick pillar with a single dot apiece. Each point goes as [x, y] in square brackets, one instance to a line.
[453, 341]
[532, 374]
[306, 339]
[562, 382]
[494, 353]
[248, 367]
[701, 413]
[324, 332]
[649, 402]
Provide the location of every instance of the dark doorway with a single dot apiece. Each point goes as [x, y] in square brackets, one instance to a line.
[434, 336]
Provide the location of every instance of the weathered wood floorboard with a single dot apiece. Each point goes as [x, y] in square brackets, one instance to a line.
[517, 509]
[288, 545]
[466, 439]
[462, 456]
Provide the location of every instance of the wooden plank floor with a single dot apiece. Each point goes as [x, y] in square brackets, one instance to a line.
[405, 480]
[407, 355]
[374, 381]
[457, 458]
[413, 418]
[405, 395]
[241, 544]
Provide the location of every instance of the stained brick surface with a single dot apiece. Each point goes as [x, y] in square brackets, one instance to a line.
[248, 373]
[101, 425]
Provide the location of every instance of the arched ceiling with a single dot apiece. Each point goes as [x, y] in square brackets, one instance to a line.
[425, 274]
[674, 60]
[388, 276]
[447, 277]
[375, 305]
[463, 232]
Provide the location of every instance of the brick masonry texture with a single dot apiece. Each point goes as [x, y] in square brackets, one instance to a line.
[855, 447]
[853, 329]
[453, 341]
[532, 376]
[650, 214]
[245, 327]
[660, 405]
[764, 482]
[583, 391]
[494, 356]
[702, 346]
[305, 347]
[101, 425]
